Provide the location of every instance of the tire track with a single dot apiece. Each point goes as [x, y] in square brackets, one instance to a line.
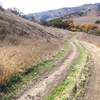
[45, 86]
[93, 91]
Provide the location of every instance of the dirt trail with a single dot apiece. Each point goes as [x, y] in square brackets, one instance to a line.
[93, 91]
[45, 86]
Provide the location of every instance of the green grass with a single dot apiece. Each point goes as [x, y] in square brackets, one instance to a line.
[24, 80]
[64, 90]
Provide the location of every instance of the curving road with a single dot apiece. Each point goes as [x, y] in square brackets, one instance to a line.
[45, 86]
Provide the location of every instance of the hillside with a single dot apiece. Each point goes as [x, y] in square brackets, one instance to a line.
[52, 14]
[24, 43]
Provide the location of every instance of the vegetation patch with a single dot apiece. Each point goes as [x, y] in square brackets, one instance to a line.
[89, 28]
[22, 81]
[70, 87]
[97, 21]
[60, 23]
[83, 82]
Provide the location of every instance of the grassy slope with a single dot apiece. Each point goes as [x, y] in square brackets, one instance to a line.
[24, 43]
[64, 91]
[23, 81]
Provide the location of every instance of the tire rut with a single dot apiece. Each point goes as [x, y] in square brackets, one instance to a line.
[93, 91]
[45, 86]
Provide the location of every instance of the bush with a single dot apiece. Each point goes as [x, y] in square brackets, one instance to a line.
[60, 23]
[89, 28]
[97, 22]
[86, 27]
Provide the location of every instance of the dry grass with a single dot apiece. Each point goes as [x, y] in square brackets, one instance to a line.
[90, 38]
[85, 19]
[24, 43]
[15, 59]
[87, 27]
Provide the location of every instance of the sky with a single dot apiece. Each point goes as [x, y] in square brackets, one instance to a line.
[33, 6]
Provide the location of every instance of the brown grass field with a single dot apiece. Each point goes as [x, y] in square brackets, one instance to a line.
[24, 43]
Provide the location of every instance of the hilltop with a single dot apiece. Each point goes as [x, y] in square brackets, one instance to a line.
[58, 13]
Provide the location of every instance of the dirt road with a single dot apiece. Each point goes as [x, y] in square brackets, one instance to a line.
[45, 86]
[93, 91]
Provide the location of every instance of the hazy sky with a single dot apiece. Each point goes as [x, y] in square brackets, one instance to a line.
[30, 6]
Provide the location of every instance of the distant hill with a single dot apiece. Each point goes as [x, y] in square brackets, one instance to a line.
[58, 13]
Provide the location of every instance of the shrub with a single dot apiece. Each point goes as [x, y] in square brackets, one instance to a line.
[89, 28]
[86, 27]
[97, 21]
[60, 23]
